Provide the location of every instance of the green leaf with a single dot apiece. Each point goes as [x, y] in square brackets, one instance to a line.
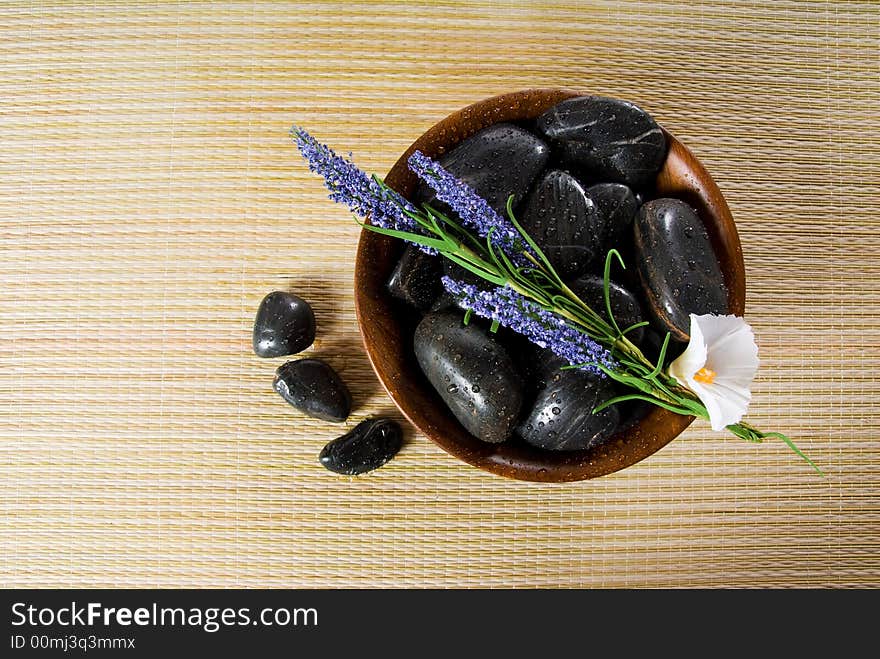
[633, 366]
[793, 447]
[649, 399]
[454, 226]
[529, 290]
[593, 324]
[490, 249]
[634, 327]
[508, 265]
[470, 267]
[617, 399]
[697, 408]
[661, 358]
[606, 286]
[544, 260]
[419, 239]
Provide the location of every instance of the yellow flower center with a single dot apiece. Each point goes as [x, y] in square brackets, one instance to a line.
[705, 375]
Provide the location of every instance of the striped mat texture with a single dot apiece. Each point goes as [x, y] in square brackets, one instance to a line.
[150, 196]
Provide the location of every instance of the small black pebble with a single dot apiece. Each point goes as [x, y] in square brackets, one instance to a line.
[313, 387]
[285, 325]
[371, 443]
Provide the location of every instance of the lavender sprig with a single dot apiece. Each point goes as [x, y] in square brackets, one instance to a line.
[349, 185]
[543, 328]
[474, 211]
[532, 300]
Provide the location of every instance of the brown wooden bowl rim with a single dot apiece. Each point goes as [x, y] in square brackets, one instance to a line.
[646, 437]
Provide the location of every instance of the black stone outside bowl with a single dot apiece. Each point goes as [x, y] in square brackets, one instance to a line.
[387, 330]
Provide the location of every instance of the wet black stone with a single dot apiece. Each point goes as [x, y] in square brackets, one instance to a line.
[371, 443]
[678, 269]
[564, 221]
[473, 374]
[617, 207]
[530, 361]
[445, 302]
[313, 387]
[416, 278]
[284, 325]
[624, 305]
[608, 139]
[496, 162]
[561, 417]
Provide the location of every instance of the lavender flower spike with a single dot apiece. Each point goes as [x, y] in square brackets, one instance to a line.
[543, 328]
[355, 188]
[474, 211]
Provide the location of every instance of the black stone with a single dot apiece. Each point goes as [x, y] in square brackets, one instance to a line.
[285, 325]
[617, 207]
[562, 418]
[624, 306]
[473, 374]
[608, 139]
[371, 443]
[445, 302]
[530, 361]
[313, 387]
[564, 221]
[677, 266]
[500, 160]
[416, 278]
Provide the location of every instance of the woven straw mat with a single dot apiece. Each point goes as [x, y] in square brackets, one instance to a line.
[150, 196]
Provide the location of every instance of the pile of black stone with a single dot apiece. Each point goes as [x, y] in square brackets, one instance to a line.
[285, 325]
[583, 177]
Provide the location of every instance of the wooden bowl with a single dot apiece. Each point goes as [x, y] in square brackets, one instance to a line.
[387, 328]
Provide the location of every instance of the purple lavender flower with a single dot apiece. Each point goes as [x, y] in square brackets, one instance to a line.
[354, 188]
[543, 328]
[474, 211]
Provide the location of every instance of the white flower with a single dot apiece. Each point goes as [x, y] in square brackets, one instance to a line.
[719, 365]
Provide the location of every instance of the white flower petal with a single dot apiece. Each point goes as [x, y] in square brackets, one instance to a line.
[727, 346]
[710, 400]
[692, 359]
[730, 405]
[730, 410]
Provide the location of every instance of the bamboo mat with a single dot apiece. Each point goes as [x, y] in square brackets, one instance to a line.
[149, 198]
